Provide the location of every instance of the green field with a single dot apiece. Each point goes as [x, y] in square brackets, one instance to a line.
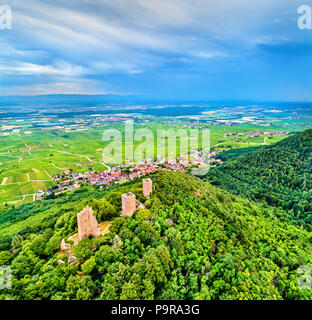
[31, 155]
[28, 163]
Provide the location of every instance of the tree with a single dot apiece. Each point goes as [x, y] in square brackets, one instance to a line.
[16, 242]
[21, 265]
[103, 209]
[80, 288]
[53, 245]
[83, 250]
[5, 257]
[105, 257]
[89, 266]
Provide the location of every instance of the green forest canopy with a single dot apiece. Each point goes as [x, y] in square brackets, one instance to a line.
[193, 241]
[280, 174]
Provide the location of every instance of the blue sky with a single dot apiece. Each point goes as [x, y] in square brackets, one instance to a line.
[186, 49]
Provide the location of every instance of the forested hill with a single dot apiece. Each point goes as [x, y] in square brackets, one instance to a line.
[193, 241]
[280, 174]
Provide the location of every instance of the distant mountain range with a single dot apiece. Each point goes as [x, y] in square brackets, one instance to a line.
[69, 99]
[97, 99]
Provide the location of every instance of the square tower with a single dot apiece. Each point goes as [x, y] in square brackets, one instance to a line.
[87, 224]
[128, 204]
[147, 187]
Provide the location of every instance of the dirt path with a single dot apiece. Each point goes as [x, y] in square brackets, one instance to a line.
[104, 227]
[13, 183]
[4, 181]
[54, 165]
[47, 173]
[78, 155]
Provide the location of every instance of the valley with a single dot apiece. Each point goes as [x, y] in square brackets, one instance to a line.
[38, 144]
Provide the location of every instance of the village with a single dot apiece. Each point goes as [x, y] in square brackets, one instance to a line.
[117, 174]
[69, 180]
[252, 134]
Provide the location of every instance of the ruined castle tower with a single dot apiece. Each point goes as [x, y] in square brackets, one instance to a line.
[128, 204]
[87, 224]
[147, 187]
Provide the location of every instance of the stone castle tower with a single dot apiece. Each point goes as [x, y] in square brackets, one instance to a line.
[147, 187]
[128, 204]
[87, 224]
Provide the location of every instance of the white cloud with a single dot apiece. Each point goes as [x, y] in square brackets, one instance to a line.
[64, 86]
[90, 37]
[208, 55]
[62, 68]
[89, 29]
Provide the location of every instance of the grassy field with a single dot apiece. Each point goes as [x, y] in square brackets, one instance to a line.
[31, 155]
[28, 161]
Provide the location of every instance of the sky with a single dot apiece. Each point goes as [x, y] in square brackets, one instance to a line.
[168, 49]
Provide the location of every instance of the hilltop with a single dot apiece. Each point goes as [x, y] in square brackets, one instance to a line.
[193, 241]
[280, 174]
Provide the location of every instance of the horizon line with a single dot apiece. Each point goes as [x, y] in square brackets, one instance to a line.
[155, 99]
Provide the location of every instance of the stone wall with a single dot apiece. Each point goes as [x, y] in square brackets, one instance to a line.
[65, 246]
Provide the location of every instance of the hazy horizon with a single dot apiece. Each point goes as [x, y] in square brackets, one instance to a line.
[143, 99]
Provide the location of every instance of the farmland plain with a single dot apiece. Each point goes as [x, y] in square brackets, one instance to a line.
[35, 146]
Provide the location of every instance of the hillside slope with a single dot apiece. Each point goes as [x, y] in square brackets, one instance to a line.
[193, 241]
[280, 174]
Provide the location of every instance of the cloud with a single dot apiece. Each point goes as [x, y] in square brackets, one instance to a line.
[62, 68]
[64, 86]
[104, 40]
[208, 55]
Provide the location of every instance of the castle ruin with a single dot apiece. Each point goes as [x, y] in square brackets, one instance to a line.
[147, 187]
[65, 246]
[128, 204]
[87, 224]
